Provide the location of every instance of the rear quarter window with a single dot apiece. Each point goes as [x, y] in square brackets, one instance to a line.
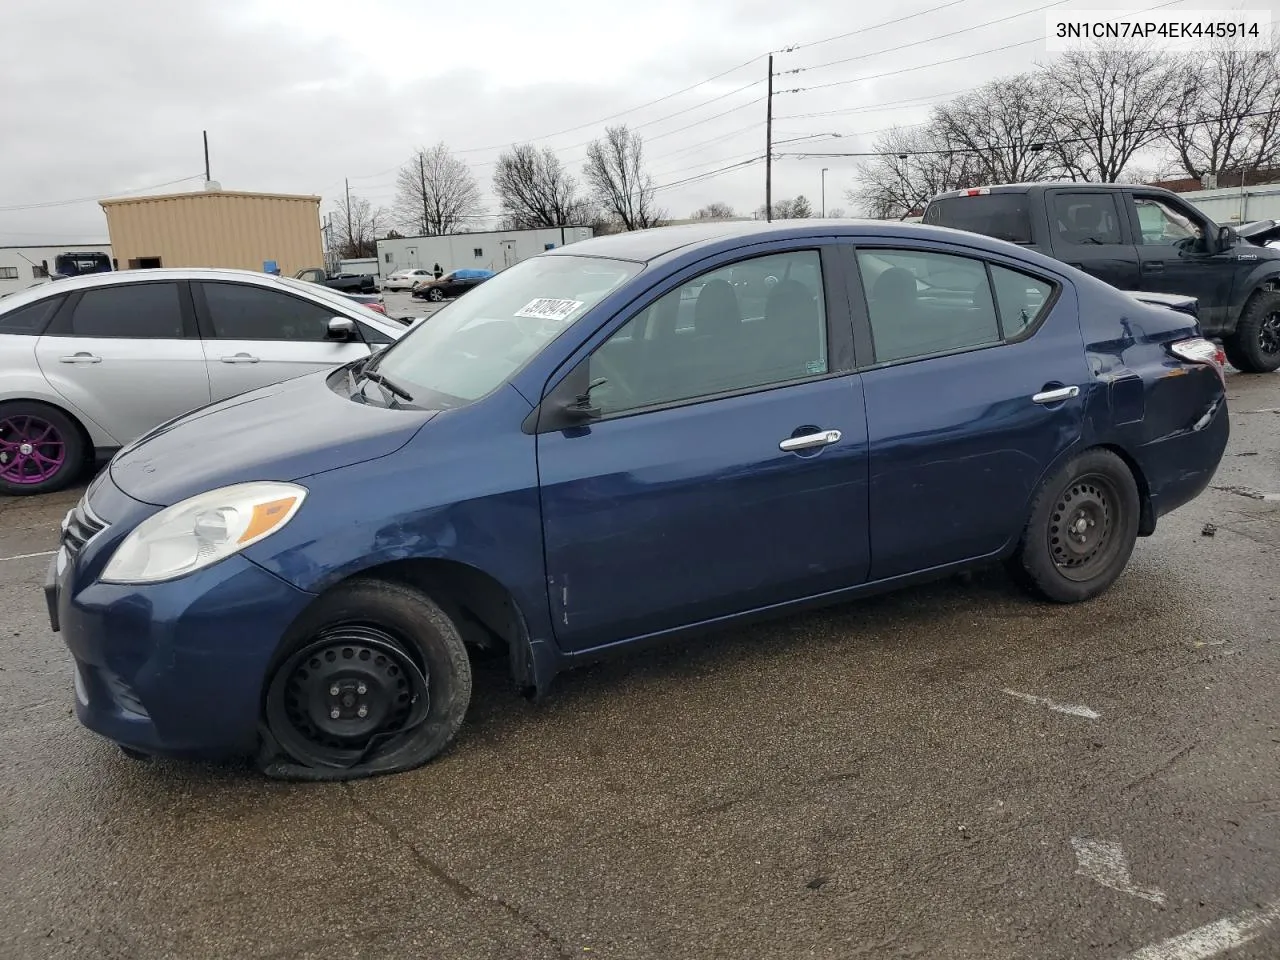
[30, 320]
[1001, 216]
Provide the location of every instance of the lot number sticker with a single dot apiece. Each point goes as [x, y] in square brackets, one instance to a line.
[546, 308]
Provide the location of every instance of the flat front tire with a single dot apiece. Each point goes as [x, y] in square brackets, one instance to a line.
[376, 680]
[1254, 347]
[1081, 531]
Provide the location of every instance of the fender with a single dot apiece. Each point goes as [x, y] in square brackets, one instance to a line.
[1265, 276]
[21, 384]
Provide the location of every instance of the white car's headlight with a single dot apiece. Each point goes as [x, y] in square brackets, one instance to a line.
[202, 530]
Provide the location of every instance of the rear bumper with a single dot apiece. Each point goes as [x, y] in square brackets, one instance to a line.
[1180, 466]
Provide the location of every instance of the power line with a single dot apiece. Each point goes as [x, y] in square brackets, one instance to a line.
[44, 204]
[1034, 144]
[621, 113]
[916, 43]
[886, 23]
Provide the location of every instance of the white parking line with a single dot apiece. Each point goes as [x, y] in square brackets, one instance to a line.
[1213, 939]
[28, 556]
[1073, 709]
[1106, 864]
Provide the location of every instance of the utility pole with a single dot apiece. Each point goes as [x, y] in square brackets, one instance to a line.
[824, 192]
[768, 147]
[347, 185]
[207, 177]
[422, 187]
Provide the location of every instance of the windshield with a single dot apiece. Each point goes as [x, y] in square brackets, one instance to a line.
[475, 344]
[1004, 216]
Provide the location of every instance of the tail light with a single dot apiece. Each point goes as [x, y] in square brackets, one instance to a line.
[1200, 350]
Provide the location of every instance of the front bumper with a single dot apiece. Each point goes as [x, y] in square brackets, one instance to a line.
[174, 668]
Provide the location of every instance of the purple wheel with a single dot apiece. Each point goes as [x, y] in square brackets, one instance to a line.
[41, 449]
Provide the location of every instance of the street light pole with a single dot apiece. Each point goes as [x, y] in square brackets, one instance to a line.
[824, 192]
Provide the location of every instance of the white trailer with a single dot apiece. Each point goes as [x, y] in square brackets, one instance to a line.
[359, 267]
[22, 267]
[486, 250]
[1228, 205]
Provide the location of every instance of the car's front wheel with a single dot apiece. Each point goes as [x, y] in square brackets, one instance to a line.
[41, 448]
[1082, 529]
[435, 294]
[377, 680]
[1254, 347]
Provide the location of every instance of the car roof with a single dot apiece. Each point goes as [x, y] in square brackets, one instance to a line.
[646, 246]
[94, 280]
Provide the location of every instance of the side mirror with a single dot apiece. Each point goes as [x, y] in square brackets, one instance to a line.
[341, 328]
[579, 409]
[1226, 238]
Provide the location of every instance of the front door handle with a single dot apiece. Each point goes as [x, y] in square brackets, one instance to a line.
[240, 358]
[1057, 395]
[1153, 266]
[80, 358]
[820, 439]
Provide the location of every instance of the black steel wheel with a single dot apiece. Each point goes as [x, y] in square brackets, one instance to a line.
[1254, 347]
[1081, 531]
[377, 680]
[1081, 527]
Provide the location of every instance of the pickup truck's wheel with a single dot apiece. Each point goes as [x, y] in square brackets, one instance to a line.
[1255, 345]
[41, 448]
[1081, 532]
[378, 681]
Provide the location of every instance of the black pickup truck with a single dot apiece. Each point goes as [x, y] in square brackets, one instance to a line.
[345, 282]
[1142, 239]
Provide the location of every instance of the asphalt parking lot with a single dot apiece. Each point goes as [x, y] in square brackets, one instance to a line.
[399, 303]
[949, 772]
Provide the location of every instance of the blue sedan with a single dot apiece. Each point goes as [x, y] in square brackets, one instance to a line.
[620, 441]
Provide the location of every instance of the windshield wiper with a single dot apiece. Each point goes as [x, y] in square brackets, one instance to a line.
[381, 380]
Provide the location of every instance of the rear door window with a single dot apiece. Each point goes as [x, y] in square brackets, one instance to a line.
[922, 303]
[138, 311]
[1089, 218]
[1021, 298]
[1004, 216]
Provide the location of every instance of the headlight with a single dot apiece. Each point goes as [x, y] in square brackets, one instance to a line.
[202, 530]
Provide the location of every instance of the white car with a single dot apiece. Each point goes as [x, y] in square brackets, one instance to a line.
[90, 363]
[406, 279]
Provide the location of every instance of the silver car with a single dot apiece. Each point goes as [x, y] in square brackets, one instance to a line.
[90, 363]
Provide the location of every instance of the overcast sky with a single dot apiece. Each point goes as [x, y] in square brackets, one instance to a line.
[105, 97]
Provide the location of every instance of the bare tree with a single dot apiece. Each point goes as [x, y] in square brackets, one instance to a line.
[356, 227]
[1226, 116]
[536, 190]
[1105, 106]
[797, 209]
[714, 211]
[914, 165]
[436, 193]
[615, 172]
[1005, 126]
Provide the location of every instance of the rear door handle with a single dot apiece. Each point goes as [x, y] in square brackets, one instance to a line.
[820, 439]
[80, 358]
[240, 358]
[1056, 396]
[1154, 266]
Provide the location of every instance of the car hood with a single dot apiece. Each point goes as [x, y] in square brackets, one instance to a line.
[285, 431]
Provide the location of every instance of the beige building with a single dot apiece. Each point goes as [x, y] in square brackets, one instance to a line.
[216, 228]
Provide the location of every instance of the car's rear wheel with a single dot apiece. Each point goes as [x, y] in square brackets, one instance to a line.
[1082, 530]
[41, 448]
[376, 681]
[1255, 345]
[435, 294]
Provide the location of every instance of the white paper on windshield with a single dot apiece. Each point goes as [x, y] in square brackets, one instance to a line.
[546, 308]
